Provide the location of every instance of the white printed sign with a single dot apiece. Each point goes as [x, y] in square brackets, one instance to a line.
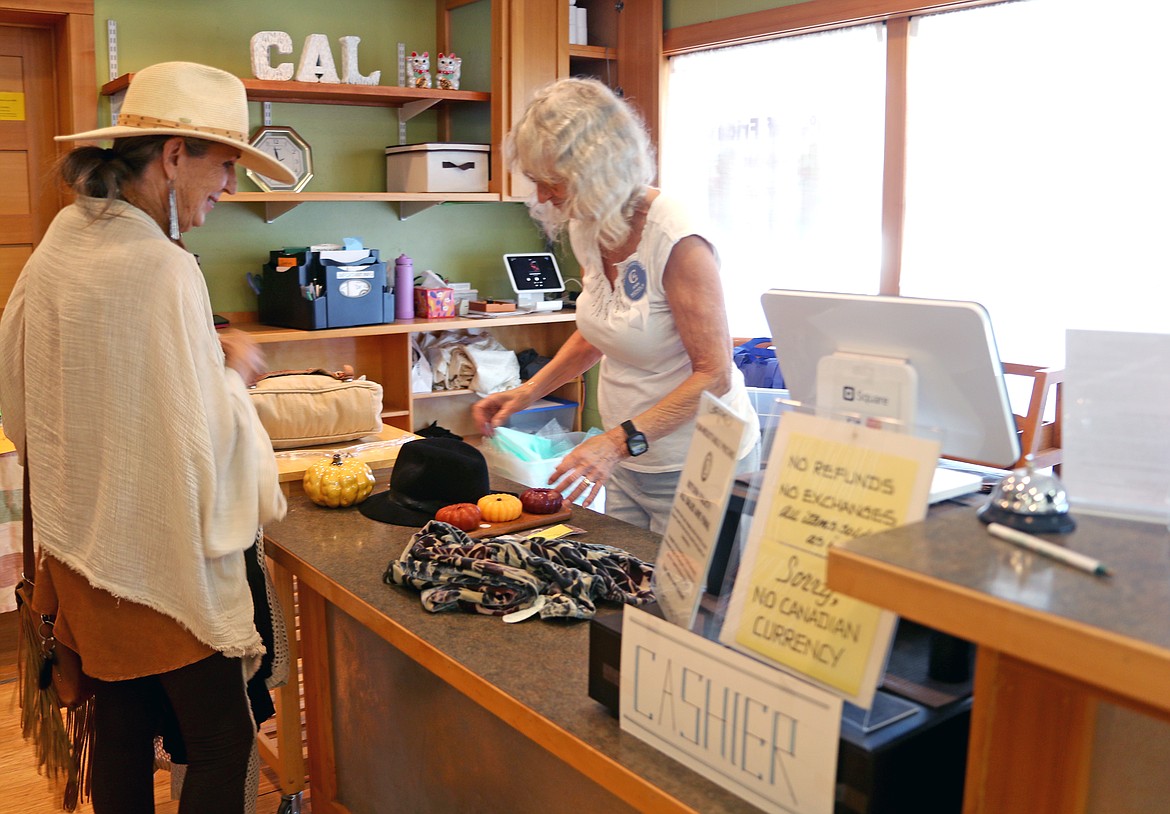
[684, 556]
[1113, 463]
[760, 733]
[827, 481]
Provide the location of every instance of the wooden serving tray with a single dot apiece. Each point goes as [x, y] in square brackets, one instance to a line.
[522, 523]
[292, 463]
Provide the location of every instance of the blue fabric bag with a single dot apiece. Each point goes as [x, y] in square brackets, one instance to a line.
[757, 359]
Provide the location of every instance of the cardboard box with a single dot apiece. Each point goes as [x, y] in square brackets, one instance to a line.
[437, 167]
[434, 303]
[463, 300]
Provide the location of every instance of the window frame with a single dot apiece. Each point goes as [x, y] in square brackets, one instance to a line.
[823, 15]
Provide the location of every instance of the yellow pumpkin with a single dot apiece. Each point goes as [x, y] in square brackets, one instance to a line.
[341, 480]
[499, 508]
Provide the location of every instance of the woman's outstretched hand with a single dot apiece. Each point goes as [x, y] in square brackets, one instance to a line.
[492, 411]
[242, 354]
[583, 472]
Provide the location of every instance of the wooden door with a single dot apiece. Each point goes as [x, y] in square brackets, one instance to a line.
[28, 121]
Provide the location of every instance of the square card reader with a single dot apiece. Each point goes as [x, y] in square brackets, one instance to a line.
[532, 276]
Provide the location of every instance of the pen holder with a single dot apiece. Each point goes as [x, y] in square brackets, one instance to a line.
[290, 292]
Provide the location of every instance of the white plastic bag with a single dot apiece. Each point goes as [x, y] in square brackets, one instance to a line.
[458, 360]
[421, 377]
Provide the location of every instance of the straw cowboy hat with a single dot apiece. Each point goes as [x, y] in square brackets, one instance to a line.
[190, 100]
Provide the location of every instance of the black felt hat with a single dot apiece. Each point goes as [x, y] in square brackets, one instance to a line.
[428, 474]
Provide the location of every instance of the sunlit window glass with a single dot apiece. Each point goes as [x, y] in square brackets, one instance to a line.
[779, 145]
[1037, 162]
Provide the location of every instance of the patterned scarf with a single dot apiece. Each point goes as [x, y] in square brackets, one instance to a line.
[503, 574]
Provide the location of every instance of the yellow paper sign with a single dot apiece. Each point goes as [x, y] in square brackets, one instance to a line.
[826, 481]
[11, 106]
[555, 532]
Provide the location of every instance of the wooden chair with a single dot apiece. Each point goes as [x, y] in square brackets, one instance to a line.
[1039, 438]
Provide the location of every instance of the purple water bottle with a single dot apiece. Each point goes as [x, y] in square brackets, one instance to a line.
[403, 287]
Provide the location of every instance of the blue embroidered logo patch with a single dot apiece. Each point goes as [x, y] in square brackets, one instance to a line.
[634, 281]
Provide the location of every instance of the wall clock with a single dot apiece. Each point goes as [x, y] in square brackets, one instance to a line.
[286, 146]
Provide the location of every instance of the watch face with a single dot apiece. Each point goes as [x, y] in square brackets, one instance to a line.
[636, 444]
[287, 147]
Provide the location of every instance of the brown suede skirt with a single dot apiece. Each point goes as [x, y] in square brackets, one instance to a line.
[117, 639]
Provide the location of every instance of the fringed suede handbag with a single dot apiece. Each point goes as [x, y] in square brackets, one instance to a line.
[56, 697]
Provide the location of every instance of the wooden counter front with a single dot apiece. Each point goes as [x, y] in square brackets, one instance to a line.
[412, 711]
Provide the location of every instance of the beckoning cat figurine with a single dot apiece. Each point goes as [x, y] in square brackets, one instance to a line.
[447, 71]
[418, 68]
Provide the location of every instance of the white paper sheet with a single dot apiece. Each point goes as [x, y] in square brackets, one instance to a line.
[1116, 437]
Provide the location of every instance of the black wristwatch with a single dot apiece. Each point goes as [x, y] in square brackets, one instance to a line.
[636, 442]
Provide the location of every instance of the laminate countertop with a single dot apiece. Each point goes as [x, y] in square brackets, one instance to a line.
[950, 573]
[533, 675]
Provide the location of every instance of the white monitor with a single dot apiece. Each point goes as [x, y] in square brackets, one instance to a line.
[532, 276]
[939, 356]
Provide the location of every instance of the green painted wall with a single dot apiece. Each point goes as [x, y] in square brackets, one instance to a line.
[678, 13]
[461, 241]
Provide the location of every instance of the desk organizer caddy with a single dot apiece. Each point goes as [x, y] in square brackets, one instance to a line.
[327, 289]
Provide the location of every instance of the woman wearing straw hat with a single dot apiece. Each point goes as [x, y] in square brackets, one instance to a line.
[149, 470]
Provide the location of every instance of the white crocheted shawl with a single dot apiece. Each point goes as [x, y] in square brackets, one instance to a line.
[149, 469]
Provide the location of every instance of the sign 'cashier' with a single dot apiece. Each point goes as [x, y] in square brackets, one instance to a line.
[827, 481]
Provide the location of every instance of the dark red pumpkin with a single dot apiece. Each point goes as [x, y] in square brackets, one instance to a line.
[540, 500]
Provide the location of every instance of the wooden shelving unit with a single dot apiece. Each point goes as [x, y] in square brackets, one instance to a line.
[409, 102]
[266, 334]
[409, 203]
[322, 93]
[530, 48]
[382, 353]
[598, 53]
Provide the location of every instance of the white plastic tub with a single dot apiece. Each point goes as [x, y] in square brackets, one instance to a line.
[532, 473]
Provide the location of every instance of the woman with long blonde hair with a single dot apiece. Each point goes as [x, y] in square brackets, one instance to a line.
[651, 309]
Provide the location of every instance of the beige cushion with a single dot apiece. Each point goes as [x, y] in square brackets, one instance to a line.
[306, 409]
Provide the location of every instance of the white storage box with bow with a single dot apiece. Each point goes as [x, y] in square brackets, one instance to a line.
[437, 167]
